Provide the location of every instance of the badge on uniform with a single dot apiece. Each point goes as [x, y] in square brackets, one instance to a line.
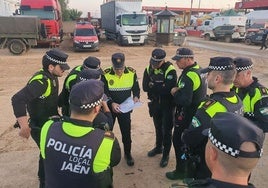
[181, 85]
[170, 77]
[111, 82]
[195, 122]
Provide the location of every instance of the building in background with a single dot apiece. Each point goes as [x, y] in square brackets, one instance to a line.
[8, 7]
[252, 4]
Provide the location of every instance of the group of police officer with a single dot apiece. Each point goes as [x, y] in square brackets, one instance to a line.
[234, 89]
[181, 103]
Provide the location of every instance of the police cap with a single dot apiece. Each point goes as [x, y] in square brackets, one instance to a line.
[228, 131]
[242, 63]
[87, 74]
[56, 57]
[183, 53]
[219, 64]
[92, 63]
[118, 60]
[87, 94]
[158, 55]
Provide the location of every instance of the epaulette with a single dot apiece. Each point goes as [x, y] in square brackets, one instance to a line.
[109, 134]
[208, 103]
[131, 69]
[107, 70]
[263, 90]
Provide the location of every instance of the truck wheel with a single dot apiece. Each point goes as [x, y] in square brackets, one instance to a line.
[119, 40]
[228, 39]
[16, 46]
[248, 42]
[207, 37]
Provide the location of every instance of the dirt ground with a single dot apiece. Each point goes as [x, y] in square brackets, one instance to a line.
[18, 157]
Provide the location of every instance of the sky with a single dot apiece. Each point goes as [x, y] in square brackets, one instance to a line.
[93, 6]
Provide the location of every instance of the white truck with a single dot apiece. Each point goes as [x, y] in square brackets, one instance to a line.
[124, 21]
[208, 25]
[257, 17]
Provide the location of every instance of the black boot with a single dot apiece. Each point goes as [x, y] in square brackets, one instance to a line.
[175, 175]
[129, 159]
[154, 152]
[164, 161]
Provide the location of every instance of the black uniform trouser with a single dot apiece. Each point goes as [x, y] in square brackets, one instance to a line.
[124, 122]
[263, 44]
[163, 123]
[35, 133]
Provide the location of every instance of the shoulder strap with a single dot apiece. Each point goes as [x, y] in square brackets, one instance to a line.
[231, 107]
[40, 76]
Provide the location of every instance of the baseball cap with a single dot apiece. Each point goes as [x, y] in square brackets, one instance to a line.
[219, 64]
[158, 55]
[87, 74]
[92, 63]
[55, 56]
[118, 60]
[242, 63]
[228, 131]
[87, 94]
[183, 53]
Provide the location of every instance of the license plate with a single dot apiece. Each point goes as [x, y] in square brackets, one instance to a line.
[87, 46]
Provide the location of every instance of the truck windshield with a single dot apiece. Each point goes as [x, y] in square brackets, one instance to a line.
[134, 19]
[85, 32]
[44, 15]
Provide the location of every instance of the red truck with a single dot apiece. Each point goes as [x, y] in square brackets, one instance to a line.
[49, 12]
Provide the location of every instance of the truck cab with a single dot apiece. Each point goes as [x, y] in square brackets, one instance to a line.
[85, 37]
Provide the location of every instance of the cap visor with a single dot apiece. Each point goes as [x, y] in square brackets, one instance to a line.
[154, 63]
[205, 70]
[205, 132]
[64, 67]
[176, 58]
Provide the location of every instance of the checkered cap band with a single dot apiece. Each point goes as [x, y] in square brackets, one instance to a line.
[184, 56]
[55, 60]
[92, 105]
[222, 147]
[155, 59]
[220, 68]
[244, 68]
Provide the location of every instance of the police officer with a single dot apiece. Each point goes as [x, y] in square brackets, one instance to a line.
[191, 89]
[221, 74]
[158, 79]
[75, 154]
[89, 63]
[233, 149]
[252, 93]
[121, 83]
[104, 119]
[264, 39]
[39, 98]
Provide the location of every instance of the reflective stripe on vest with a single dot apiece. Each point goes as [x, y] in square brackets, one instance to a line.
[194, 76]
[123, 83]
[103, 156]
[43, 138]
[72, 77]
[39, 78]
[157, 71]
[218, 107]
[249, 102]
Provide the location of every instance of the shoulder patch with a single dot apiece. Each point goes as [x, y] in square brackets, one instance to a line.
[109, 134]
[107, 70]
[195, 122]
[131, 69]
[208, 103]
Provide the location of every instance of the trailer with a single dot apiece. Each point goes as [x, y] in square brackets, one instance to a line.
[20, 33]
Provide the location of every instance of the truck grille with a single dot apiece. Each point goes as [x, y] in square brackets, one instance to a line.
[136, 31]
